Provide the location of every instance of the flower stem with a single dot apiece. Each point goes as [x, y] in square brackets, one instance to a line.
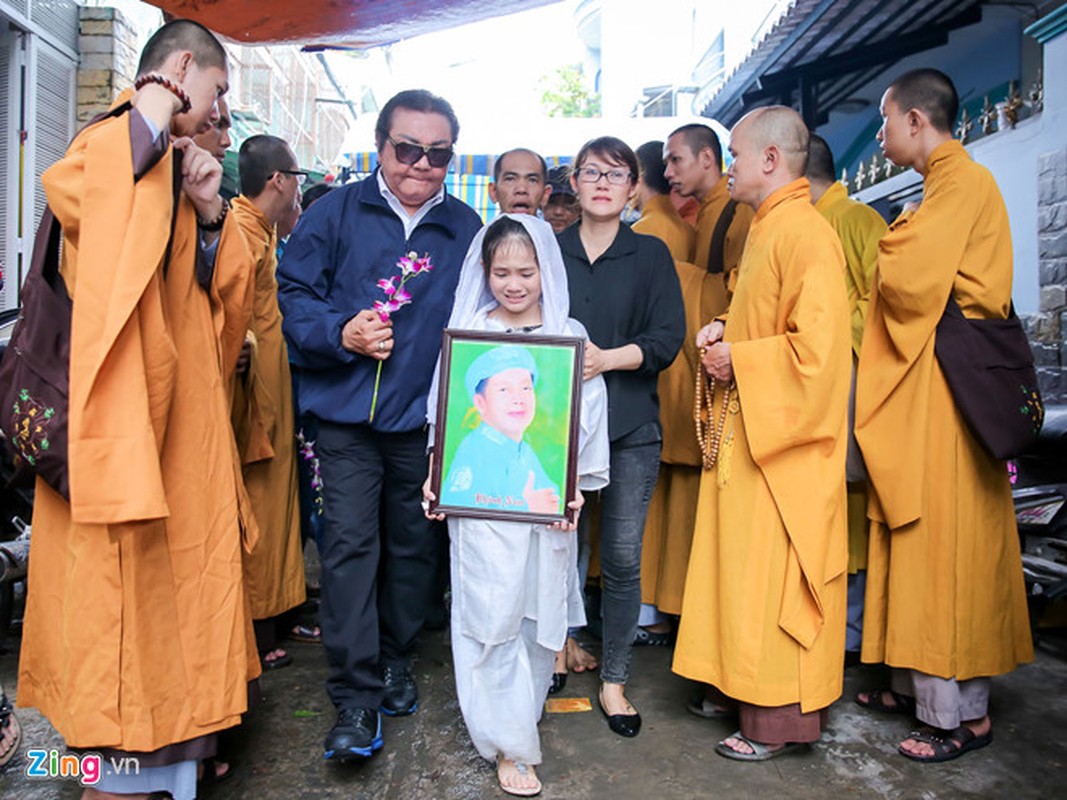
[374, 399]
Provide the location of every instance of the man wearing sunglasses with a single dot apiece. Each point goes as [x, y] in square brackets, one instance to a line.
[379, 551]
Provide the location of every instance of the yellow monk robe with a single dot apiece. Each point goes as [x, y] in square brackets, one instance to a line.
[763, 617]
[262, 409]
[659, 218]
[859, 227]
[711, 208]
[137, 631]
[673, 507]
[945, 592]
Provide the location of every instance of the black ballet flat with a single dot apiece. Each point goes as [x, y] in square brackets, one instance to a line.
[559, 682]
[628, 725]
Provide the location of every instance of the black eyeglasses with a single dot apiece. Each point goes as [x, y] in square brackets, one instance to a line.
[299, 174]
[410, 154]
[614, 176]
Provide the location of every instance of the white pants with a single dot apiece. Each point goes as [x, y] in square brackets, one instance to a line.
[943, 702]
[502, 690]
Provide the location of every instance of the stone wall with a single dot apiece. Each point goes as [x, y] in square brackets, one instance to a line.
[109, 53]
[1048, 327]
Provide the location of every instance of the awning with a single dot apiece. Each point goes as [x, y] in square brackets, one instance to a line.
[352, 23]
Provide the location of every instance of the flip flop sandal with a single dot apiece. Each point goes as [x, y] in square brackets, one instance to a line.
[276, 663]
[9, 730]
[760, 752]
[947, 745]
[902, 704]
[522, 769]
[305, 634]
[559, 682]
[703, 707]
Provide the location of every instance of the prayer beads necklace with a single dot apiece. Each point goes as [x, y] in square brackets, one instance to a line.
[709, 435]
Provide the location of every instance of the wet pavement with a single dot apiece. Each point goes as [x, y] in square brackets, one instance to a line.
[278, 752]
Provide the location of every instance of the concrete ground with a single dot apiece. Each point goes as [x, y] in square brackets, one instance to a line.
[278, 752]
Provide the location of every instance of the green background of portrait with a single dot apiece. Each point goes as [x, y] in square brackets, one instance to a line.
[548, 434]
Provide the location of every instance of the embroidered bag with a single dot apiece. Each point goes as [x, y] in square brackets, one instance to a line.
[35, 370]
[989, 368]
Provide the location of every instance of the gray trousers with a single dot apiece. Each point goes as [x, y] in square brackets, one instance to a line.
[943, 702]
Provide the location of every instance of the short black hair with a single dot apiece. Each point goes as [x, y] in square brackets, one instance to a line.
[313, 193]
[698, 136]
[413, 100]
[820, 159]
[500, 231]
[612, 149]
[498, 164]
[930, 91]
[258, 159]
[182, 34]
[650, 157]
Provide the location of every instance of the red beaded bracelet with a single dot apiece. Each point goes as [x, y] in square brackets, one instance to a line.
[170, 86]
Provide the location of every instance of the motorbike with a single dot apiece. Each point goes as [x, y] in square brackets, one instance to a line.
[1039, 489]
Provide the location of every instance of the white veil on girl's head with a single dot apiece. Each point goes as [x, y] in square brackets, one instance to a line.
[474, 299]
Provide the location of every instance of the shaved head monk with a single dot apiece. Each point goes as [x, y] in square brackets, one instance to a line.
[763, 616]
[945, 604]
[147, 650]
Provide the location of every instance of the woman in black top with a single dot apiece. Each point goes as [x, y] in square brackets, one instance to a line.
[624, 289]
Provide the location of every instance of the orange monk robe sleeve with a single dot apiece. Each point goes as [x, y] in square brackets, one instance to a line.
[677, 384]
[793, 388]
[123, 362]
[236, 260]
[919, 261]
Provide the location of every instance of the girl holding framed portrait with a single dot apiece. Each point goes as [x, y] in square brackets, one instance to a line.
[514, 582]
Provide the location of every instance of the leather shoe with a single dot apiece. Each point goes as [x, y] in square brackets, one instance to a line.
[559, 682]
[356, 735]
[628, 725]
[401, 694]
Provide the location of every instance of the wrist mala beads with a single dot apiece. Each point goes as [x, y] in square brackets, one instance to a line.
[709, 431]
[169, 85]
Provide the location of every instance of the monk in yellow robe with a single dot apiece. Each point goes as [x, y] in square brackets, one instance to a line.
[763, 617]
[262, 397]
[945, 604]
[672, 509]
[859, 227]
[137, 633]
[693, 158]
[659, 217]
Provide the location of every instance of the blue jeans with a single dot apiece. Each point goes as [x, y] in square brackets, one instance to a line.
[623, 507]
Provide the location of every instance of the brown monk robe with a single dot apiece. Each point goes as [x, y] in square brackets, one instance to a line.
[262, 402]
[945, 596]
[763, 617]
[137, 632]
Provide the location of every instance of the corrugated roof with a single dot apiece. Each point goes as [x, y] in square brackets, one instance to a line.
[834, 45]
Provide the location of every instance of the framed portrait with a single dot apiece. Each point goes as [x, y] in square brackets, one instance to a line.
[506, 441]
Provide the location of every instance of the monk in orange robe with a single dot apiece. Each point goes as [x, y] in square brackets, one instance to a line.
[659, 217]
[693, 158]
[137, 632]
[945, 603]
[763, 617]
[859, 227]
[262, 397]
[672, 509]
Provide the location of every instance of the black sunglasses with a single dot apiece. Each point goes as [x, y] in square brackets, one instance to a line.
[410, 154]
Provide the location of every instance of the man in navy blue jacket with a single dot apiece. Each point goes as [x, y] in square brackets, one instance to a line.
[379, 554]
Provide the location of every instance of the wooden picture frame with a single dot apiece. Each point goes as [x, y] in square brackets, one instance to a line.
[502, 440]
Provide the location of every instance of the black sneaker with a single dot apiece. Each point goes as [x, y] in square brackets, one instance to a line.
[356, 734]
[401, 695]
